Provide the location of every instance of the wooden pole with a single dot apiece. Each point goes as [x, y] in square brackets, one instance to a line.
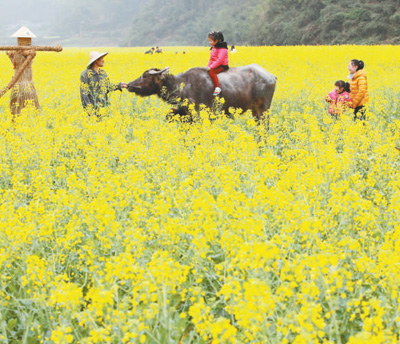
[57, 48]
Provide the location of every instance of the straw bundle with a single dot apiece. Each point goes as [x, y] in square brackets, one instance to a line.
[23, 89]
[16, 76]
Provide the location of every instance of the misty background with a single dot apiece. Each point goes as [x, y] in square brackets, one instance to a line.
[69, 22]
[147, 23]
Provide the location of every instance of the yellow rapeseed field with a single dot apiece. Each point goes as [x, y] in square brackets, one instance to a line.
[131, 229]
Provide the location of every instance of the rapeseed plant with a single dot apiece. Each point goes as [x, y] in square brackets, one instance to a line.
[131, 228]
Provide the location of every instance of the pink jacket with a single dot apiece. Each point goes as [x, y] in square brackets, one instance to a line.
[218, 57]
[339, 102]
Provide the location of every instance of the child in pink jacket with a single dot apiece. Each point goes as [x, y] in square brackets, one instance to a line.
[339, 98]
[219, 60]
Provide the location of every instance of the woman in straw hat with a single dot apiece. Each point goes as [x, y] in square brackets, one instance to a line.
[95, 84]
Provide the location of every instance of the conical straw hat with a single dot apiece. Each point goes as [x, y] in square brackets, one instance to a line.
[95, 55]
[23, 32]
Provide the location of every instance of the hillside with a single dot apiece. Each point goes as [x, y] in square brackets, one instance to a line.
[267, 22]
[331, 22]
[187, 22]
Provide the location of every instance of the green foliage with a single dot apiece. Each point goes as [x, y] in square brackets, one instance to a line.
[187, 22]
[332, 22]
[267, 22]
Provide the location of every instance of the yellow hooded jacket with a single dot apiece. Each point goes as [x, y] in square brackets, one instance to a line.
[359, 88]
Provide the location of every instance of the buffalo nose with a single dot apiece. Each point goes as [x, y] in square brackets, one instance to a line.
[132, 87]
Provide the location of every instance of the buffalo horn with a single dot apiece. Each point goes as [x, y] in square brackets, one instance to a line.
[154, 72]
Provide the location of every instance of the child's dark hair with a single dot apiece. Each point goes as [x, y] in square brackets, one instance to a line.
[358, 63]
[216, 36]
[343, 84]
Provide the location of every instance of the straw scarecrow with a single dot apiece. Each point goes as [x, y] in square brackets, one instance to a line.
[22, 87]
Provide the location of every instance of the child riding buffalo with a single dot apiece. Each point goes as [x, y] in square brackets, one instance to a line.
[219, 59]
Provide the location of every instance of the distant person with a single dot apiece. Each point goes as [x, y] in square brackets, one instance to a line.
[219, 60]
[233, 49]
[95, 84]
[158, 50]
[339, 98]
[150, 51]
[358, 88]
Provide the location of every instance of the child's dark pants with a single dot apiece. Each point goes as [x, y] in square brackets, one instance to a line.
[359, 113]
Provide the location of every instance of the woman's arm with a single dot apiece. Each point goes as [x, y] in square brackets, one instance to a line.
[84, 90]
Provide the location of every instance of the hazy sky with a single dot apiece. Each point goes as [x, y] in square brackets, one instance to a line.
[73, 22]
[21, 11]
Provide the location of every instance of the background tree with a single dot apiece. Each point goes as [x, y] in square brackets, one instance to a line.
[260, 22]
[186, 22]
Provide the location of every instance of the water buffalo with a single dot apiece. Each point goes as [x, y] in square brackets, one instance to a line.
[249, 88]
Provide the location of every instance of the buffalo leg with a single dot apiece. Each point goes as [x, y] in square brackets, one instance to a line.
[262, 122]
[260, 118]
[183, 112]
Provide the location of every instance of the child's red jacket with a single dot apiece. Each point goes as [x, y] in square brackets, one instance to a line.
[339, 102]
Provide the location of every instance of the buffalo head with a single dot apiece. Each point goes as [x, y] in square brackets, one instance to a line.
[151, 82]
